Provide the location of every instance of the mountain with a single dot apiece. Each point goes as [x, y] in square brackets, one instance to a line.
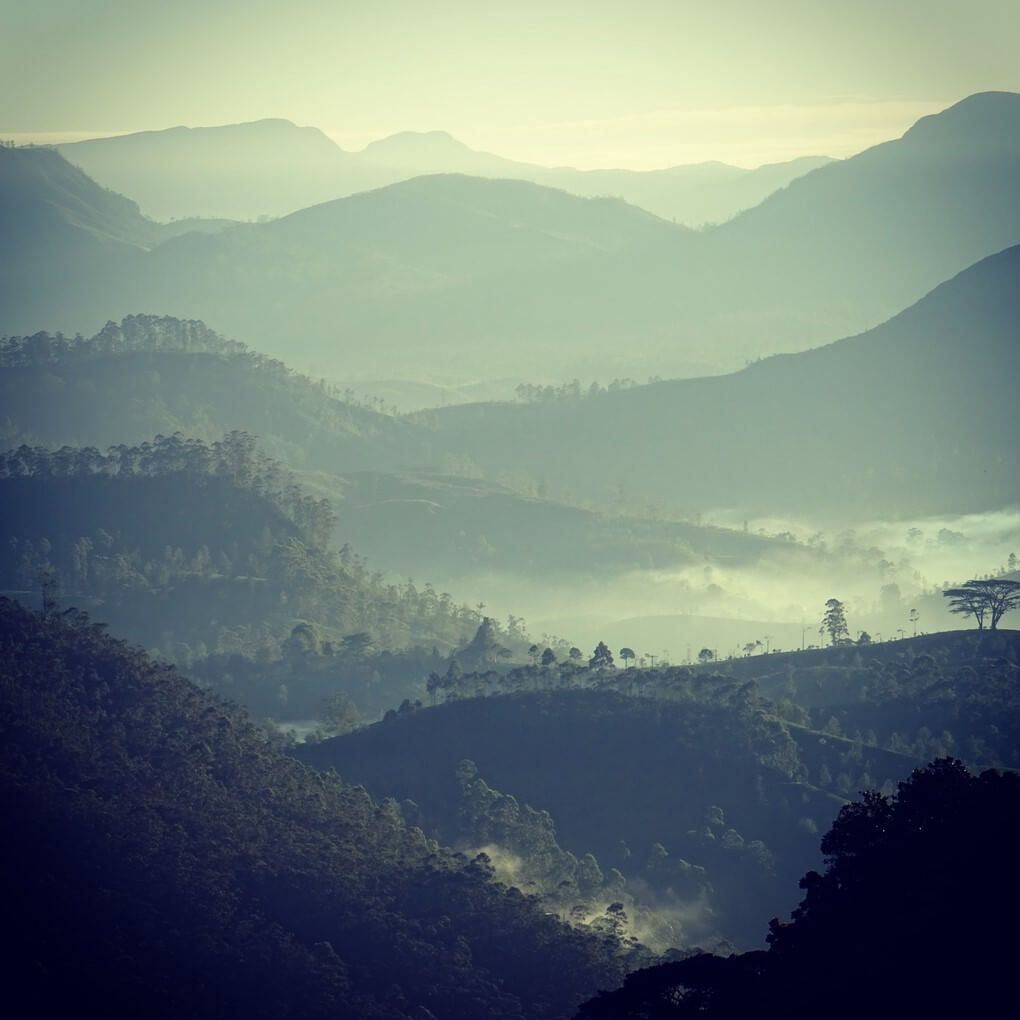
[416, 153]
[60, 232]
[181, 377]
[914, 416]
[444, 275]
[273, 167]
[457, 279]
[694, 194]
[237, 171]
[879, 230]
[165, 858]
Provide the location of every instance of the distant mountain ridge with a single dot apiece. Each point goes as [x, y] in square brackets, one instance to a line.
[274, 167]
[467, 278]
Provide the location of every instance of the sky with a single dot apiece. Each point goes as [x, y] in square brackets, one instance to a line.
[641, 84]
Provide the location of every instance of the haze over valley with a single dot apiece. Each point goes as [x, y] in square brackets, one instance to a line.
[498, 506]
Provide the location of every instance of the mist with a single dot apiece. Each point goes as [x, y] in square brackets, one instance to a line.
[599, 404]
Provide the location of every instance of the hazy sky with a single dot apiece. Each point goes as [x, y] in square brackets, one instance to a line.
[643, 83]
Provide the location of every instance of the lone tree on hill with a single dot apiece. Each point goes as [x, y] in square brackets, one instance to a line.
[988, 599]
[834, 621]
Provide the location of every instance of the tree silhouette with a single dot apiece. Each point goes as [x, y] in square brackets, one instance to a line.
[985, 599]
[834, 621]
[602, 657]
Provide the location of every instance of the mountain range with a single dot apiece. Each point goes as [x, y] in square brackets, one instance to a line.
[272, 168]
[454, 278]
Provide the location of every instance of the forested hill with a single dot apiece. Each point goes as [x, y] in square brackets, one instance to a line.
[190, 547]
[691, 797]
[162, 859]
[910, 918]
[150, 375]
[699, 792]
[915, 416]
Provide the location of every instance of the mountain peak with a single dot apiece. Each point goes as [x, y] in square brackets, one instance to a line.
[981, 119]
[415, 146]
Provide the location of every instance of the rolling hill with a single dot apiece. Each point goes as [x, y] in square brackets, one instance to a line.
[915, 416]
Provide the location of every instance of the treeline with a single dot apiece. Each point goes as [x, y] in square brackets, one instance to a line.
[532, 393]
[857, 714]
[172, 374]
[165, 860]
[199, 549]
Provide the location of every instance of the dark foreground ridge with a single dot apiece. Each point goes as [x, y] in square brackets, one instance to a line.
[162, 859]
[913, 917]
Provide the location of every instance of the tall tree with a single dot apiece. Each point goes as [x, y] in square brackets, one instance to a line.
[602, 657]
[834, 621]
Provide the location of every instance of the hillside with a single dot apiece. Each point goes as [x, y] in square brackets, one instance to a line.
[913, 417]
[464, 534]
[882, 228]
[164, 859]
[761, 751]
[61, 237]
[203, 551]
[479, 275]
[150, 375]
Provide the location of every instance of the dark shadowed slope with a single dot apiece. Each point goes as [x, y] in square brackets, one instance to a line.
[163, 859]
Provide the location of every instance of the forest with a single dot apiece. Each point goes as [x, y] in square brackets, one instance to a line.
[400, 652]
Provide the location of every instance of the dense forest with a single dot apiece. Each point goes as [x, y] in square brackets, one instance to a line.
[170, 860]
[212, 555]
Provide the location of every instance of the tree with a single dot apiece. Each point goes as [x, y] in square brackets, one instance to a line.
[914, 617]
[834, 621]
[627, 654]
[985, 599]
[602, 657]
[706, 655]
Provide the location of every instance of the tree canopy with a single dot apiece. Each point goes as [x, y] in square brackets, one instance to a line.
[987, 599]
[907, 919]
